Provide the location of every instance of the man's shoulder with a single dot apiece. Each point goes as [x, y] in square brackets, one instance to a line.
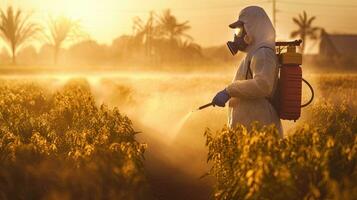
[264, 49]
[264, 52]
[265, 55]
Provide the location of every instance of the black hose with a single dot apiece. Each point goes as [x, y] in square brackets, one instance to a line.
[312, 93]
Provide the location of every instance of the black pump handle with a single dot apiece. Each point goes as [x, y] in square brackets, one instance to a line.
[291, 43]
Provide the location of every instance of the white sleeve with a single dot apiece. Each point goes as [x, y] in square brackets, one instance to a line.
[263, 66]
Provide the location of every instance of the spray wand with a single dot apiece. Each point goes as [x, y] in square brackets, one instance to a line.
[205, 106]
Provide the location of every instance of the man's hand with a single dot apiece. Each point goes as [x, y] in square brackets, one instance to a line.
[221, 98]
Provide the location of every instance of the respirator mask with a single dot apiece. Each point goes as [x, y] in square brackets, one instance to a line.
[238, 43]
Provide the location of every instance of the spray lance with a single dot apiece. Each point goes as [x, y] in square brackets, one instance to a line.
[205, 106]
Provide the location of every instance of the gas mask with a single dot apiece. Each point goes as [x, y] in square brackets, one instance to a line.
[238, 43]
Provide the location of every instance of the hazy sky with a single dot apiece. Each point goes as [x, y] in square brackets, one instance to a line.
[107, 19]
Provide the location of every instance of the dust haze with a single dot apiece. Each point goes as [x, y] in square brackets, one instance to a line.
[163, 107]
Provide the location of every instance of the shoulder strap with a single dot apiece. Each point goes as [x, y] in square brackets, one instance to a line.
[249, 71]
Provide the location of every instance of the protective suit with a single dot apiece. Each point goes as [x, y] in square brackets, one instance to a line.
[249, 97]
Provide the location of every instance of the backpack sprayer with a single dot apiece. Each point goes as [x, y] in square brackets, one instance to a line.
[287, 97]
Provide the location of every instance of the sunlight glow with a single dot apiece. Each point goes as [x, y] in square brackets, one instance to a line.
[79, 9]
[103, 20]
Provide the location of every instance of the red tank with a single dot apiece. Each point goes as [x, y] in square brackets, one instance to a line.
[290, 85]
[290, 92]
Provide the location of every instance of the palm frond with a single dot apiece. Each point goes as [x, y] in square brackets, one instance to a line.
[301, 19]
[315, 29]
[296, 21]
[294, 34]
[305, 17]
[309, 22]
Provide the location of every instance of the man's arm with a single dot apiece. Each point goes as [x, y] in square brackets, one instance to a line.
[264, 66]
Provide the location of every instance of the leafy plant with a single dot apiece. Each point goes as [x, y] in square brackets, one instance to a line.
[317, 161]
[61, 145]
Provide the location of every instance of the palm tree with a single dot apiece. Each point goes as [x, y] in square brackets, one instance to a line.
[61, 30]
[145, 33]
[305, 29]
[171, 28]
[162, 37]
[16, 29]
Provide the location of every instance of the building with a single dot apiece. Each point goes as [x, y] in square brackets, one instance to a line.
[338, 50]
[338, 45]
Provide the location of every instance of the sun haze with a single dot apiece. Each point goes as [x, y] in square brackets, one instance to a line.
[107, 19]
[129, 99]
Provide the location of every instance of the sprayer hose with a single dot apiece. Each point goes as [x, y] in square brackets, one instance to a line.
[312, 93]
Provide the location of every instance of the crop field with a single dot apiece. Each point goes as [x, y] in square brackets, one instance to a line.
[134, 136]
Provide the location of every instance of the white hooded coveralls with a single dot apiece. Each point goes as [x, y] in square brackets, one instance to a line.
[249, 100]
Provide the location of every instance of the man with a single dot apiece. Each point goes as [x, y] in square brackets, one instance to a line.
[256, 78]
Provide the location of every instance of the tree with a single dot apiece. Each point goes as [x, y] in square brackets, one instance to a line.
[171, 28]
[16, 29]
[163, 38]
[145, 33]
[305, 29]
[61, 30]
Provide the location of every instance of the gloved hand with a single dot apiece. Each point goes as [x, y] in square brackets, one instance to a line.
[221, 98]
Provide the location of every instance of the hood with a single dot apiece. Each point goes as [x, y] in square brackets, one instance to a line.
[259, 27]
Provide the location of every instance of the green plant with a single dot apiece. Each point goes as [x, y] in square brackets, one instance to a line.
[316, 161]
[63, 146]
